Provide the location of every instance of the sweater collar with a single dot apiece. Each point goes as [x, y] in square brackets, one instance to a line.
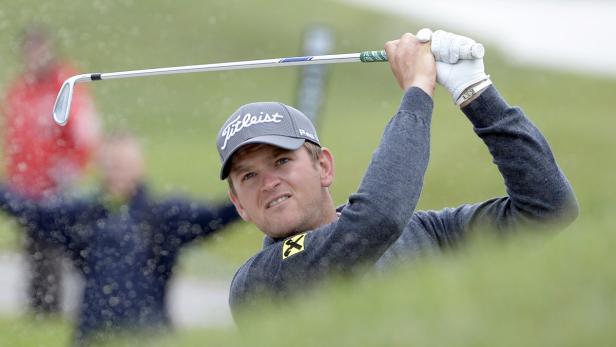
[267, 241]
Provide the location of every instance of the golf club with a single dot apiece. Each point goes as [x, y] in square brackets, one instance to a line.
[62, 106]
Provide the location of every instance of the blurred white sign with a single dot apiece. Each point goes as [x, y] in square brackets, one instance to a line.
[570, 35]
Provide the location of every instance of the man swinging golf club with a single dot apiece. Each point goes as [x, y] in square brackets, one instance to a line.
[279, 177]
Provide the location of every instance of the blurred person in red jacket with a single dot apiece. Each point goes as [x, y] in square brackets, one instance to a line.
[41, 157]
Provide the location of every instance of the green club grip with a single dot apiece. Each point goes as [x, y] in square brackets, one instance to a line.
[372, 56]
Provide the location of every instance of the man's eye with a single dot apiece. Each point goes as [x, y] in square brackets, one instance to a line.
[248, 176]
[282, 161]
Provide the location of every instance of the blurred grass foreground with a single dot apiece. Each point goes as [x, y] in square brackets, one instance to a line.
[531, 291]
[557, 289]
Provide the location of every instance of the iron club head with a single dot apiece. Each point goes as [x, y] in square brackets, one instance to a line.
[62, 106]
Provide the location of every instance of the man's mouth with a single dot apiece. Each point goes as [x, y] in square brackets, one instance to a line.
[277, 201]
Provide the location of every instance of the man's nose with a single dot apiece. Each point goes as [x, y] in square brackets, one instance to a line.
[269, 180]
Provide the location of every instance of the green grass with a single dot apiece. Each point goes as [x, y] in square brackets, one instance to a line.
[31, 331]
[558, 291]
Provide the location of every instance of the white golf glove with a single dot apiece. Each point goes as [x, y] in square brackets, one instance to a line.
[459, 61]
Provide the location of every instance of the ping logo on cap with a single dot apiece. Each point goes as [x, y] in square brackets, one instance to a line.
[308, 134]
[246, 121]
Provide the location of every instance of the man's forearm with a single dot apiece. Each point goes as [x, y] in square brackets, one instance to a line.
[537, 189]
[378, 212]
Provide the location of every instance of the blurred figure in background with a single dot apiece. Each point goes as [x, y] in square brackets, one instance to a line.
[124, 243]
[41, 157]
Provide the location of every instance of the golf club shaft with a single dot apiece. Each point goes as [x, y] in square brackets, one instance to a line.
[62, 106]
[368, 56]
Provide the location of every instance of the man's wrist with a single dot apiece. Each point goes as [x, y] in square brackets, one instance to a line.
[426, 85]
[472, 92]
[416, 100]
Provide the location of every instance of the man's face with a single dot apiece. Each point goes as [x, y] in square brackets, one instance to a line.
[283, 192]
[38, 54]
[122, 166]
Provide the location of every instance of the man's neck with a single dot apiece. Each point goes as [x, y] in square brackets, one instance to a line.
[330, 214]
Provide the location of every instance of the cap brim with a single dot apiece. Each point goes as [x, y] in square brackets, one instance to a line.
[290, 143]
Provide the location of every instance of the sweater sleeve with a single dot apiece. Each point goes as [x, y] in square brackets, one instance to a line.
[49, 219]
[538, 193]
[373, 219]
[186, 220]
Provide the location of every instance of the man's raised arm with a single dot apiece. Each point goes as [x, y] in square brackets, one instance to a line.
[538, 194]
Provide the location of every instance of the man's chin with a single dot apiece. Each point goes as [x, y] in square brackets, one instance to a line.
[281, 232]
[280, 235]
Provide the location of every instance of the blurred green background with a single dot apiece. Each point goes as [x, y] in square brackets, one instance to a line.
[534, 291]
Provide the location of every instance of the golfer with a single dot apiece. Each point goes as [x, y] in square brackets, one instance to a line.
[279, 177]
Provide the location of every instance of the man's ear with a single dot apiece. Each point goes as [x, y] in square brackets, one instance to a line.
[326, 166]
[238, 206]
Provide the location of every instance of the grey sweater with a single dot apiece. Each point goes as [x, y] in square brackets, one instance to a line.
[379, 224]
